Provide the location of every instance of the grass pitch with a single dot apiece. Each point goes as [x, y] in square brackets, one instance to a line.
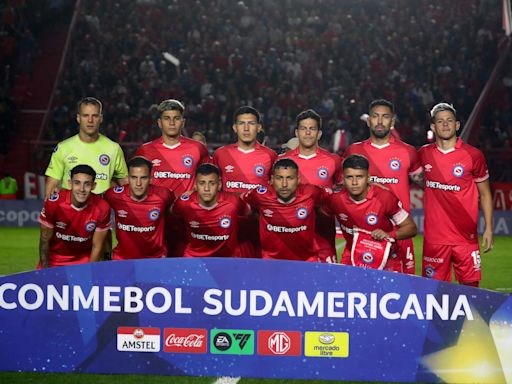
[19, 253]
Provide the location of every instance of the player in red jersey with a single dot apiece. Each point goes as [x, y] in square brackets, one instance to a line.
[317, 167]
[456, 176]
[211, 216]
[175, 159]
[287, 214]
[392, 163]
[362, 205]
[74, 223]
[245, 165]
[140, 210]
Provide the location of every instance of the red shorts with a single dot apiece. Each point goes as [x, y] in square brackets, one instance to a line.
[405, 252]
[60, 260]
[394, 263]
[438, 260]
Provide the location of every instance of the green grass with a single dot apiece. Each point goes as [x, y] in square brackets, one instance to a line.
[19, 253]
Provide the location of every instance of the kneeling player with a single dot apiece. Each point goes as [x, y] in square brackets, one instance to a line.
[211, 216]
[140, 210]
[368, 208]
[74, 223]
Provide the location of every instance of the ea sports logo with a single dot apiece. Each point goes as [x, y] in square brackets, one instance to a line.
[154, 214]
[323, 173]
[185, 197]
[118, 189]
[104, 159]
[90, 226]
[458, 171]
[372, 219]
[302, 213]
[261, 189]
[225, 222]
[367, 257]
[188, 161]
[395, 164]
[54, 197]
[429, 272]
[259, 170]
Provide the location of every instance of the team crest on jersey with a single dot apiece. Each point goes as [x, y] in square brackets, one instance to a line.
[323, 173]
[156, 162]
[395, 164]
[154, 214]
[458, 170]
[259, 170]
[90, 226]
[301, 213]
[54, 197]
[367, 257]
[119, 189]
[104, 159]
[372, 219]
[225, 222]
[429, 272]
[261, 189]
[185, 197]
[229, 168]
[188, 161]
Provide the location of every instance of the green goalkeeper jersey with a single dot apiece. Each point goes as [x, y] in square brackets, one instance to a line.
[104, 156]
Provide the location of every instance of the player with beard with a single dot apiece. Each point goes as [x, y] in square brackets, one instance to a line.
[74, 222]
[210, 216]
[392, 163]
[140, 210]
[245, 165]
[317, 167]
[372, 208]
[456, 178]
[287, 211]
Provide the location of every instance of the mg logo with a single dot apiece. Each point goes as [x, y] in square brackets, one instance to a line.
[279, 343]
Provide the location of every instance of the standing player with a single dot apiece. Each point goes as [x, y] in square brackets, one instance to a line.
[456, 176]
[89, 147]
[392, 163]
[140, 210]
[287, 214]
[175, 159]
[211, 216]
[362, 205]
[74, 223]
[245, 165]
[317, 167]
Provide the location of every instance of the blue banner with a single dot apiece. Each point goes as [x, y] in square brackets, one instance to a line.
[252, 318]
[20, 213]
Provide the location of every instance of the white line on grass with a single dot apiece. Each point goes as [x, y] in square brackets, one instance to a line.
[227, 380]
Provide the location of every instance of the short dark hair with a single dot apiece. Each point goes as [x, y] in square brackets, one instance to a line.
[356, 162]
[285, 163]
[89, 100]
[309, 114]
[171, 105]
[382, 102]
[247, 110]
[139, 161]
[83, 168]
[207, 169]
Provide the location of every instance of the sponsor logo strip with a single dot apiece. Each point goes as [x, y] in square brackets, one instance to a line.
[279, 343]
[138, 339]
[326, 344]
[232, 341]
[185, 340]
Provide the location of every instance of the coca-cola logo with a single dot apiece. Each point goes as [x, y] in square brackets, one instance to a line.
[188, 340]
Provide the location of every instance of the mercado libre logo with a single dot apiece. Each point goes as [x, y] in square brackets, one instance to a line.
[232, 341]
[326, 344]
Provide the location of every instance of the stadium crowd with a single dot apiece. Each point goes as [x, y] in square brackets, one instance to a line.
[280, 57]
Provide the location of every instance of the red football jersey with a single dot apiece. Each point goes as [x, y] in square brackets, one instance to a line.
[323, 169]
[174, 166]
[243, 170]
[287, 229]
[381, 209]
[73, 228]
[140, 225]
[451, 194]
[390, 164]
[211, 231]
